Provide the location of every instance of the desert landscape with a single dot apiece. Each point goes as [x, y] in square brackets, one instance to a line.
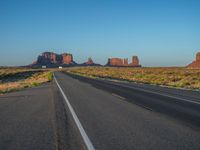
[176, 77]
[100, 75]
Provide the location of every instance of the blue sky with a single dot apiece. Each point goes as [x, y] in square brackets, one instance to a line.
[161, 33]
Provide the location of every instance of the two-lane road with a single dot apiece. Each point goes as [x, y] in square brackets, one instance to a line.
[74, 112]
[126, 116]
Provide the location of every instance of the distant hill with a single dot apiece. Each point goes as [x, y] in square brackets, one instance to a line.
[53, 60]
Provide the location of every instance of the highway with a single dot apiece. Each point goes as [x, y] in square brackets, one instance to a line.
[117, 115]
[74, 112]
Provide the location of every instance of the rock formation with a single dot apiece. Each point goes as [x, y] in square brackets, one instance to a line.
[90, 63]
[119, 62]
[135, 62]
[125, 62]
[46, 58]
[50, 59]
[115, 62]
[67, 58]
[196, 63]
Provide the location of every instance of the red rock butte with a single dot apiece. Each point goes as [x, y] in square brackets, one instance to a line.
[51, 59]
[67, 58]
[90, 61]
[135, 62]
[196, 63]
[119, 62]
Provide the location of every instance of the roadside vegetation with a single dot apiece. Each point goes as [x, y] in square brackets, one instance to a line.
[171, 77]
[12, 79]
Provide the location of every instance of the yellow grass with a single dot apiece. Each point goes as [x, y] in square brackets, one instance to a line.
[172, 77]
[15, 79]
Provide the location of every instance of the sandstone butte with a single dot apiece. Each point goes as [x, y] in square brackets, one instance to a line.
[119, 62]
[196, 63]
[51, 59]
[90, 61]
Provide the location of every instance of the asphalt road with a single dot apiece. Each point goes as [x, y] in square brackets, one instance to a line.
[114, 115]
[118, 115]
[36, 119]
[180, 104]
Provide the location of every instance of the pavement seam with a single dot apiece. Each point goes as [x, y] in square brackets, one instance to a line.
[54, 121]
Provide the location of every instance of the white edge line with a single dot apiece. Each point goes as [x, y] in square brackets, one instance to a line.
[148, 91]
[86, 139]
[174, 97]
[123, 98]
[157, 93]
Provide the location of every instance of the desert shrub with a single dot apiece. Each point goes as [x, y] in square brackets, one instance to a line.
[15, 79]
[50, 76]
[174, 77]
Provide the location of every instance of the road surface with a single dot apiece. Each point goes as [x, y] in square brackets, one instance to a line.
[113, 115]
[36, 119]
[128, 116]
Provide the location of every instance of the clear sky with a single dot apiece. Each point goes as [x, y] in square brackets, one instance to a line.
[160, 32]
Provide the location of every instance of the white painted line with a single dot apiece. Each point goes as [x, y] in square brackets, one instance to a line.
[174, 97]
[86, 139]
[118, 96]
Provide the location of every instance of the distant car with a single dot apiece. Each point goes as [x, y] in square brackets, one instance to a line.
[60, 67]
[44, 67]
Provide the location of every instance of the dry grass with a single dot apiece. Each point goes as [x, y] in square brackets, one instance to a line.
[13, 79]
[172, 77]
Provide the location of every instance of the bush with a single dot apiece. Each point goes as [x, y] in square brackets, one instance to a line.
[174, 77]
[50, 76]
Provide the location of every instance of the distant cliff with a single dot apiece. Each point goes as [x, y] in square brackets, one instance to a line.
[50, 59]
[53, 60]
[119, 62]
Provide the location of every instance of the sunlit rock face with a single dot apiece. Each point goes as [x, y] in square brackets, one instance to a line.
[196, 63]
[198, 57]
[115, 62]
[67, 58]
[46, 58]
[135, 62]
[51, 59]
[119, 62]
